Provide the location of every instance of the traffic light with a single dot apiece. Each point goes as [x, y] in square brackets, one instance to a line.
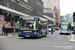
[73, 17]
[7, 18]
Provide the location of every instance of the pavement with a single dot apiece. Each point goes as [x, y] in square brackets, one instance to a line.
[9, 35]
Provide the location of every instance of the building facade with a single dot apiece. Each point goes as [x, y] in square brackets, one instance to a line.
[49, 14]
[29, 7]
[55, 17]
[52, 5]
[69, 18]
[12, 9]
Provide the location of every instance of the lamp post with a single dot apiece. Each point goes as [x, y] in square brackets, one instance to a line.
[7, 12]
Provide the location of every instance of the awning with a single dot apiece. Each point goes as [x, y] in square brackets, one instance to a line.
[13, 11]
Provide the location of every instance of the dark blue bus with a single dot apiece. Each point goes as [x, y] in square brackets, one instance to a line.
[32, 26]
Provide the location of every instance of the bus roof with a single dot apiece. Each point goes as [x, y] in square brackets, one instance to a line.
[64, 23]
[29, 16]
[41, 18]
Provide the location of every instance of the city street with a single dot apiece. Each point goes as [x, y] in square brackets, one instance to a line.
[51, 42]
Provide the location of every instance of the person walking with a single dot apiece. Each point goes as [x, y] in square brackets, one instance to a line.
[3, 30]
[52, 30]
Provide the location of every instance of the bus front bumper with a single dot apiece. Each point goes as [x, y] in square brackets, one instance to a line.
[65, 32]
[27, 34]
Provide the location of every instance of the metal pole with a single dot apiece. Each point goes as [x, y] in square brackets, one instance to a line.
[14, 25]
[7, 11]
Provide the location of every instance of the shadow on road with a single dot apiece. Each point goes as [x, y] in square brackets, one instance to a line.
[33, 37]
[64, 34]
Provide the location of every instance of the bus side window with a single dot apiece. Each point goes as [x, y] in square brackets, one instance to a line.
[22, 24]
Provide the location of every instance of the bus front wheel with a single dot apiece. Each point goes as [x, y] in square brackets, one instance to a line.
[46, 34]
[24, 37]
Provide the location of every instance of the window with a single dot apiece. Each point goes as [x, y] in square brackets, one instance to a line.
[26, 1]
[56, 3]
[27, 25]
[22, 4]
[45, 4]
[39, 13]
[40, 4]
[16, 1]
[48, 4]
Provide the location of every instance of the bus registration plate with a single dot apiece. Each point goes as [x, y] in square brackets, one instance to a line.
[27, 36]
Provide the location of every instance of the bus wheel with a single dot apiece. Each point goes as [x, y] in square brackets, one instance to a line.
[45, 34]
[24, 37]
[60, 33]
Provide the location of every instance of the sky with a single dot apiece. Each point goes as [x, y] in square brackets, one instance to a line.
[67, 7]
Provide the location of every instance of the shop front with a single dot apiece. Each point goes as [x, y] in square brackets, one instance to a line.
[10, 17]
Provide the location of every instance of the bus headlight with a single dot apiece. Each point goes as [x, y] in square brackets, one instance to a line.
[20, 32]
[34, 32]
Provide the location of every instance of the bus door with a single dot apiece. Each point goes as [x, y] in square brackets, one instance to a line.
[44, 28]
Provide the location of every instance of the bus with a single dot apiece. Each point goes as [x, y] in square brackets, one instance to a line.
[65, 28]
[32, 26]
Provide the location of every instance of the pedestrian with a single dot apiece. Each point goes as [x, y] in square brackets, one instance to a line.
[3, 30]
[52, 30]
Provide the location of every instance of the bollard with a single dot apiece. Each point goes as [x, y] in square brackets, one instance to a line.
[72, 39]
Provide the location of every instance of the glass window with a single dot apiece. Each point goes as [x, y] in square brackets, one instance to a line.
[45, 4]
[26, 1]
[64, 26]
[48, 4]
[56, 3]
[26, 25]
[44, 25]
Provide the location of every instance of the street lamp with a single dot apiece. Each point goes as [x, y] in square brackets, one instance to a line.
[7, 12]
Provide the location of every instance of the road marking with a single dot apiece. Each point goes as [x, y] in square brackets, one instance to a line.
[69, 35]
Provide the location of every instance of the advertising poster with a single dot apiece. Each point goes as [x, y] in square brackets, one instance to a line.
[0, 29]
[1, 22]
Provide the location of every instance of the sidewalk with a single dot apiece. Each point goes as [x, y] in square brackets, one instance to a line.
[13, 34]
[9, 35]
